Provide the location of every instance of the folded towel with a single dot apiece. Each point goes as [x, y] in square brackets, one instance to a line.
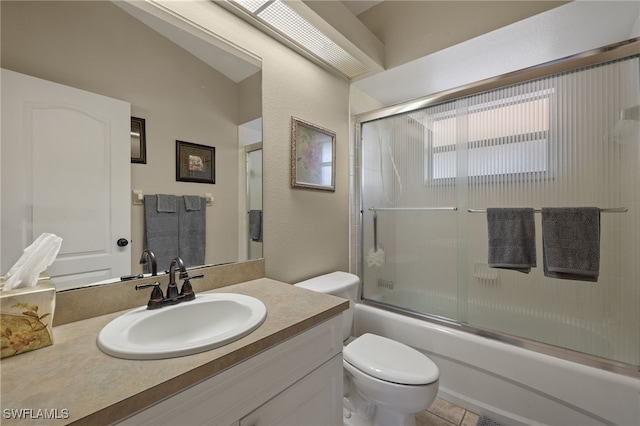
[166, 203]
[192, 234]
[512, 238]
[571, 243]
[160, 232]
[192, 202]
[255, 225]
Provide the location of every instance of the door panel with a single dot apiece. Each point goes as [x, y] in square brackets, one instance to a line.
[65, 170]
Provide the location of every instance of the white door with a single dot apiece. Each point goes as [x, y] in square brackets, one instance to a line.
[65, 156]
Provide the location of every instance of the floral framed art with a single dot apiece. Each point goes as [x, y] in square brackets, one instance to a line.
[313, 156]
[195, 163]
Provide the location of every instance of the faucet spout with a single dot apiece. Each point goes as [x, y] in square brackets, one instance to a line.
[149, 256]
[172, 289]
[176, 263]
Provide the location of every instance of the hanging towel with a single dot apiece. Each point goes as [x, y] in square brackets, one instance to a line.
[192, 233]
[192, 203]
[512, 238]
[571, 243]
[255, 225]
[160, 232]
[166, 203]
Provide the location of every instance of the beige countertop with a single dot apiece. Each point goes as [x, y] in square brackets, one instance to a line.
[77, 383]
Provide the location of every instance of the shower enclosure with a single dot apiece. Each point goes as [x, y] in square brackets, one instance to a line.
[427, 175]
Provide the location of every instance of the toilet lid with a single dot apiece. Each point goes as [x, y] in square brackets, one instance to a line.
[392, 361]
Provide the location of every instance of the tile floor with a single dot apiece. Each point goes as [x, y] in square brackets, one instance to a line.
[444, 413]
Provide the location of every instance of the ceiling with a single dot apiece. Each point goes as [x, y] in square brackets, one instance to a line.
[563, 30]
[205, 47]
[358, 6]
[415, 48]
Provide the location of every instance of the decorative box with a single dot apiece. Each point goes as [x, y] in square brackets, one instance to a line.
[26, 318]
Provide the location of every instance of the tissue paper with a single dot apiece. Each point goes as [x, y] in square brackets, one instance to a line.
[34, 260]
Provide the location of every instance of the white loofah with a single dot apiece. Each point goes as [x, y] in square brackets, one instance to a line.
[375, 257]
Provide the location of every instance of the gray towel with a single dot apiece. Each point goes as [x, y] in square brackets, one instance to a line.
[512, 238]
[192, 234]
[192, 202]
[166, 203]
[160, 232]
[571, 243]
[255, 225]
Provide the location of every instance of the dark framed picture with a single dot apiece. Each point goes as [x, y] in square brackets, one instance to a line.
[195, 163]
[138, 141]
[313, 156]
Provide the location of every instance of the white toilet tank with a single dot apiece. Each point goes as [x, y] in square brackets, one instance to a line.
[339, 284]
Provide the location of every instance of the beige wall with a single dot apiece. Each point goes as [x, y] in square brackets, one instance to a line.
[413, 29]
[97, 47]
[305, 232]
[250, 98]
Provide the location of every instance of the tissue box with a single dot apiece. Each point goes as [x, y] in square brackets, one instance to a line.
[26, 318]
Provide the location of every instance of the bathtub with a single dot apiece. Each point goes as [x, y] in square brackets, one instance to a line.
[512, 385]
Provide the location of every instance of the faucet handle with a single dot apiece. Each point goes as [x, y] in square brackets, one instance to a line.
[156, 299]
[187, 290]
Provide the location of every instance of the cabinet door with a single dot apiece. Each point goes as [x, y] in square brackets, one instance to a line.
[314, 400]
[224, 398]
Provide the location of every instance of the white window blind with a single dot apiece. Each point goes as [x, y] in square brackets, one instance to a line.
[507, 132]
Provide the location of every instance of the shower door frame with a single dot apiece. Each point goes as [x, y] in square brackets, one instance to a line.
[593, 57]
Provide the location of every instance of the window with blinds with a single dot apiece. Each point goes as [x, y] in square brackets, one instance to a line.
[508, 126]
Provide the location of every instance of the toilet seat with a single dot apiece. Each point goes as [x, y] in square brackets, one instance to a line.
[391, 361]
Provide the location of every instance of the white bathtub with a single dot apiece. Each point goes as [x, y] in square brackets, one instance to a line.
[514, 386]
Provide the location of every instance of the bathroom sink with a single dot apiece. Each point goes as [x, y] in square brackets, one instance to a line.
[210, 321]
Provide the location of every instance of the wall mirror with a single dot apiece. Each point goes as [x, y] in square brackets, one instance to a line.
[185, 83]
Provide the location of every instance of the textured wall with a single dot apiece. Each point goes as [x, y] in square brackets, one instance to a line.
[306, 233]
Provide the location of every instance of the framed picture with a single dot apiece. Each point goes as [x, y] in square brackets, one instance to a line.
[313, 156]
[195, 163]
[138, 141]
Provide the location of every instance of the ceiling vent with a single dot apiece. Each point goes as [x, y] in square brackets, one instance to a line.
[285, 22]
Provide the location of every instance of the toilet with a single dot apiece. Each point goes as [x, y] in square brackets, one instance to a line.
[386, 382]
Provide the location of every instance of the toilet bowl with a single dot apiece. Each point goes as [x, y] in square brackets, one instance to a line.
[386, 382]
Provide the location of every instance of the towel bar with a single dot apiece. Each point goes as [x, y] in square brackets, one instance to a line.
[382, 209]
[138, 198]
[609, 210]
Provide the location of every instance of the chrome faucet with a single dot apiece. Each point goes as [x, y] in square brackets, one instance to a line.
[173, 297]
[148, 256]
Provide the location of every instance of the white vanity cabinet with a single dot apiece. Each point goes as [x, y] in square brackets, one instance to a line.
[297, 382]
[308, 402]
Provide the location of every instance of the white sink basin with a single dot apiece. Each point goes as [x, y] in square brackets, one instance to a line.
[210, 321]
